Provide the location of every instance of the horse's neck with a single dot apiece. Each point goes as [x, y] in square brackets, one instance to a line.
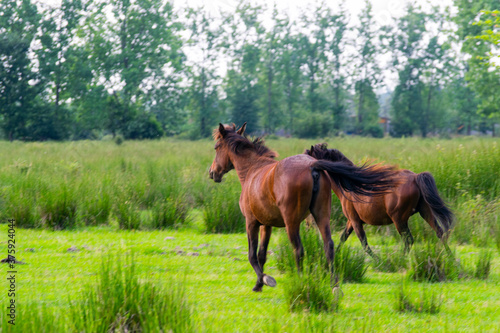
[243, 164]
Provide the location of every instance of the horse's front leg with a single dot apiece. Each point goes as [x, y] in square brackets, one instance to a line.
[253, 242]
[265, 235]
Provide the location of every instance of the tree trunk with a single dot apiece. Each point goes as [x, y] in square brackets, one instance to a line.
[360, 104]
[425, 124]
[270, 76]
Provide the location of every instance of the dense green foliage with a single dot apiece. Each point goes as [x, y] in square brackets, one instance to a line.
[144, 185]
[144, 69]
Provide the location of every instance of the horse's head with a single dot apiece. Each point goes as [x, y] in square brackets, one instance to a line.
[321, 152]
[222, 162]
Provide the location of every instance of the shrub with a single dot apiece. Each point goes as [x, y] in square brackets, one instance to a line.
[373, 130]
[119, 139]
[314, 126]
[144, 126]
[425, 303]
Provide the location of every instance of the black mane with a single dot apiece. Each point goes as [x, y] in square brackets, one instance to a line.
[320, 152]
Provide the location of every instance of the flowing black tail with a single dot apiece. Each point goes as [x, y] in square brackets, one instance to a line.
[443, 215]
[367, 180]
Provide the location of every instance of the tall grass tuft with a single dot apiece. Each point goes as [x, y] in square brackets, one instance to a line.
[34, 317]
[350, 264]
[222, 212]
[122, 302]
[95, 209]
[127, 215]
[310, 290]
[21, 207]
[392, 260]
[168, 214]
[479, 221]
[58, 208]
[483, 264]
[432, 264]
[313, 250]
[426, 302]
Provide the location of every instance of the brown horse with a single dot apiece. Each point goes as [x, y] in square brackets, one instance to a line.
[282, 193]
[412, 193]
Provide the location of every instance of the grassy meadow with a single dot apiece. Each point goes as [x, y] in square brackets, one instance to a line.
[136, 237]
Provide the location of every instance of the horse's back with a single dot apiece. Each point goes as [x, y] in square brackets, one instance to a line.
[294, 174]
[381, 210]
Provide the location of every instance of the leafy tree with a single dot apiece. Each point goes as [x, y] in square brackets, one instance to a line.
[272, 54]
[134, 50]
[367, 72]
[205, 36]
[291, 76]
[244, 47]
[408, 42]
[314, 46]
[338, 74]
[63, 64]
[478, 41]
[19, 84]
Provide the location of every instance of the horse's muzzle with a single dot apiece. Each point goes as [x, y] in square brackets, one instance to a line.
[215, 176]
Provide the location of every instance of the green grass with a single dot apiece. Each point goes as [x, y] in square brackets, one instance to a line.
[104, 199]
[218, 282]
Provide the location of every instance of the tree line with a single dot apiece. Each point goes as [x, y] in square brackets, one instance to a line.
[142, 69]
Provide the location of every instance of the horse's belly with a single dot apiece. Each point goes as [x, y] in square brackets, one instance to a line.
[370, 214]
[270, 216]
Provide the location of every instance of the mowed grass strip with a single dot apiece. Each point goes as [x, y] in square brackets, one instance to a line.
[218, 282]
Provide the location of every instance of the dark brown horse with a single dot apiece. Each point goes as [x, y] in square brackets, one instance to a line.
[412, 193]
[282, 193]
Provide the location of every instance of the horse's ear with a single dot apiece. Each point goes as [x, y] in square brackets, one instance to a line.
[311, 152]
[222, 130]
[242, 129]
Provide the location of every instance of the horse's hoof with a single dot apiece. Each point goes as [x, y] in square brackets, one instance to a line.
[269, 281]
[337, 292]
[257, 289]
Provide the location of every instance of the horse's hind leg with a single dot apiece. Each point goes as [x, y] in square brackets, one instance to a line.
[404, 231]
[324, 228]
[345, 234]
[360, 232]
[293, 232]
[427, 215]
